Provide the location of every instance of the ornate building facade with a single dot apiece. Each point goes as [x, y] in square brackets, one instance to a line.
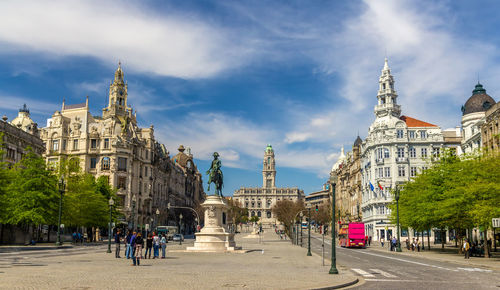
[114, 146]
[347, 173]
[260, 200]
[20, 133]
[396, 149]
[490, 133]
[473, 117]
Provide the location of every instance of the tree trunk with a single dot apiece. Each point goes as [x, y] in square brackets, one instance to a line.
[443, 239]
[485, 244]
[429, 239]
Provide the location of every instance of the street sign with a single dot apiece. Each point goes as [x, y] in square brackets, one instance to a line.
[495, 222]
[147, 227]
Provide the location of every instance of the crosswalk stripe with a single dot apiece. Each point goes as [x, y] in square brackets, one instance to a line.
[383, 273]
[361, 272]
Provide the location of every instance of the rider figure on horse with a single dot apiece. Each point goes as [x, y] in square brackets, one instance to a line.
[215, 175]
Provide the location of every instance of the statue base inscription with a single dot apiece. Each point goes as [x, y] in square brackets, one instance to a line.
[214, 237]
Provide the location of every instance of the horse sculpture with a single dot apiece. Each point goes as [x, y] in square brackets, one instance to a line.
[215, 175]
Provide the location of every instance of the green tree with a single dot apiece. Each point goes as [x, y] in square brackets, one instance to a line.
[32, 196]
[83, 204]
[5, 180]
[286, 211]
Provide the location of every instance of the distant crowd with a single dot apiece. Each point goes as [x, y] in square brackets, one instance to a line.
[134, 244]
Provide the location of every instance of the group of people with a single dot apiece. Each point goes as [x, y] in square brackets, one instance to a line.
[415, 244]
[134, 244]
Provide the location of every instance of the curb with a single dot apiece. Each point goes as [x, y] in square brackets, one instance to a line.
[339, 286]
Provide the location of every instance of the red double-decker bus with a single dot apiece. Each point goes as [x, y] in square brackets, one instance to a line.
[352, 235]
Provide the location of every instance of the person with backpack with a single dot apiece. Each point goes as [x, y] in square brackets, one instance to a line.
[138, 243]
[163, 243]
[149, 246]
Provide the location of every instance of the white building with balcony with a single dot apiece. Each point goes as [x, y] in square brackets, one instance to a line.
[396, 149]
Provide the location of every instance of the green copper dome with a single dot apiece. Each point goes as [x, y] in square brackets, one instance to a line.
[479, 89]
[269, 148]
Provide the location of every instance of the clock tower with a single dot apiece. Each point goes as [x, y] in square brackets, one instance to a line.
[269, 169]
[118, 94]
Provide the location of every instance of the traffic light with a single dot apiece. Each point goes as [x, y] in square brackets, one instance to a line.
[316, 207]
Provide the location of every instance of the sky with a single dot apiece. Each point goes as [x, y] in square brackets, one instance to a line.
[234, 76]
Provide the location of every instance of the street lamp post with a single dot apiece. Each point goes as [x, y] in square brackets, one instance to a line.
[180, 222]
[111, 203]
[333, 268]
[133, 212]
[398, 246]
[301, 236]
[309, 232]
[62, 186]
[157, 219]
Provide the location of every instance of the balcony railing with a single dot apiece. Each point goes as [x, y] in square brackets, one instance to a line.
[401, 159]
[379, 161]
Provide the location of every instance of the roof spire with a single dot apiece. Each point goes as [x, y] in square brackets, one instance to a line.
[386, 65]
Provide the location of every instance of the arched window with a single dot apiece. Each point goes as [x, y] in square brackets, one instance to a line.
[252, 213]
[258, 214]
[105, 163]
[268, 214]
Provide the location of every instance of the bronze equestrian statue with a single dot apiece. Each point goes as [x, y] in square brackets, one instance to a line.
[215, 175]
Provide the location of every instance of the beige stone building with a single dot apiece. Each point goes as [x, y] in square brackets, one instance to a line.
[320, 198]
[20, 133]
[114, 146]
[347, 172]
[260, 200]
[490, 134]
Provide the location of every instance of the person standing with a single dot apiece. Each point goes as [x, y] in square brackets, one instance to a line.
[163, 242]
[156, 246]
[118, 236]
[149, 245]
[382, 242]
[413, 245]
[418, 245]
[138, 243]
[369, 240]
[128, 248]
[132, 244]
[407, 244]
[466, 249]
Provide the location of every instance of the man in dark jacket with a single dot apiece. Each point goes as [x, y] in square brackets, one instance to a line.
[118, 236]
[128, 249]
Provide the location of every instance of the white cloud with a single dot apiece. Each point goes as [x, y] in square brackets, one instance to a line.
[35, 106]
[171, 44]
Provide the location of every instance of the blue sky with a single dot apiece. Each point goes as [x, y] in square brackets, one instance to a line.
[233, 76]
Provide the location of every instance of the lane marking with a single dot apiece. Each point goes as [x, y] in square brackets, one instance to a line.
[385, 274]
[361, 272]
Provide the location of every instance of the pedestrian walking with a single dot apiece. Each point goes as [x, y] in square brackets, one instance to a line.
[407, 244]
[466, 249]
[132, 244]
[149, 246]
[413, 245]
[163, 242]
[394, 243]
[74, 237]
[156, 246]
[369, 240]
[118, 236]
[418, 245]
[128, 247]
[139, 243]
[382, 242]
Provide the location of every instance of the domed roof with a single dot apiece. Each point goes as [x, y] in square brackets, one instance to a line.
[478, 102]
[341, 160]
[358, 141]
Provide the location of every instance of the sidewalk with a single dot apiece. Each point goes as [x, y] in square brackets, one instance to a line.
[449, 255]
[273, 264]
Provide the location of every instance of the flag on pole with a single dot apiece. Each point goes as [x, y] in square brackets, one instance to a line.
[371, 186]
[380, 186]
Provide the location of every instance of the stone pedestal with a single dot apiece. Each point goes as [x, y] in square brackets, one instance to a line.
[214, 237]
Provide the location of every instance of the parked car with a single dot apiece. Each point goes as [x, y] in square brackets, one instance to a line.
[178, 237]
